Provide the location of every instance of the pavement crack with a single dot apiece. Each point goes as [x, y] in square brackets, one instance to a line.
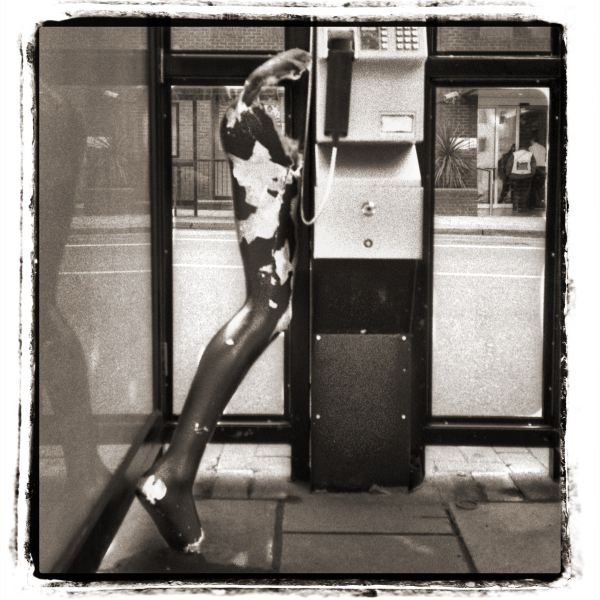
[461, 542]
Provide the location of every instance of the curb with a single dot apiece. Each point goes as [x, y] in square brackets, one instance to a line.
[503, 232]
[224, 225]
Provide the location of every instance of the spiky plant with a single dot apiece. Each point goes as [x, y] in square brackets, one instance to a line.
[452, 167]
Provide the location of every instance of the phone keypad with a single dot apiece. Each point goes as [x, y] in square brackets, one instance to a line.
[407, 38]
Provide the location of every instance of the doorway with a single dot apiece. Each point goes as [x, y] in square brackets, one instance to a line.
[508, 119]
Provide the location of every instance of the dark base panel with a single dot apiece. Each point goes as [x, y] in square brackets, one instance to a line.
[360, 417]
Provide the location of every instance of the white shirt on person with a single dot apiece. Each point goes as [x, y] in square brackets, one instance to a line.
[539, 153]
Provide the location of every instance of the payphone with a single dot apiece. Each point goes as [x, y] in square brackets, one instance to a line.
[367, 370]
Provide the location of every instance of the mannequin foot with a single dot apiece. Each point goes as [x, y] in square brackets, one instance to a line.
[173, 511]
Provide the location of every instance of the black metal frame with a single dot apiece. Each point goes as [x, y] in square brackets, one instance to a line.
[106, 516]
[554, 40]
[530, 71]
[204, 68]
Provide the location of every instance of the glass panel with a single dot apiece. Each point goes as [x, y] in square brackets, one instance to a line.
[208, 280]
[216, 37]
[95, 337]
[494, 39]
[489, 289]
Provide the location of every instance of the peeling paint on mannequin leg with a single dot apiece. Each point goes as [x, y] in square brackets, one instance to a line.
[240, 559]
[230, 342]
[198, 429]
[153, 489]
[273, 304]
[195, 547]
[284, 320]
[283, 265]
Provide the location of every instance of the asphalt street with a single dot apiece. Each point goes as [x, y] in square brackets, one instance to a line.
[487, 325]
[487, 335]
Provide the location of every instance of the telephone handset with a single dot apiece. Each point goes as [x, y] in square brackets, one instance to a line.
[340, 55]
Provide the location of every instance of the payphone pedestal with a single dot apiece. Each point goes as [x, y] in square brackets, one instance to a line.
[368, 368]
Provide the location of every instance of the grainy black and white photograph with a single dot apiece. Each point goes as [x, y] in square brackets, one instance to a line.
[298, 301]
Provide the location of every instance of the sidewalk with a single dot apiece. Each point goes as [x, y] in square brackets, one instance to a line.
[479, 511]
[530, 225]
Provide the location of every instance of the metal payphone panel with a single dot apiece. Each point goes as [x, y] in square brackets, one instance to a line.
[376, 204]
[352, 226]
[387, 91]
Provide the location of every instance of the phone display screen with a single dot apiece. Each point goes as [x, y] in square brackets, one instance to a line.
[370, 38]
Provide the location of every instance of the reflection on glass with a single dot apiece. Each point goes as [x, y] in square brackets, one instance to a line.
[494, 39]
[94, 269]
[490, 173]
[217, 37]
[208, 280]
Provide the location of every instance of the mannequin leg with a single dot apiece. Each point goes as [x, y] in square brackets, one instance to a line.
[167, 490]
[264, 171]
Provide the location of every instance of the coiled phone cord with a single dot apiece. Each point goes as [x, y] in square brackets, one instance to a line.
[333, 158]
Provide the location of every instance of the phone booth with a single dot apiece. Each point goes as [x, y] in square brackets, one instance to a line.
[368, 359]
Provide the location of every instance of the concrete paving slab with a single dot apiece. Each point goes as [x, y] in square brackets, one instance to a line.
[274, 450]
[454, 488]
[364, 513]
[497, 487]
[239, 538]
[512, 537]
[239, 532]
[427, 493]
[490, 467]
[272, 466]
[510, 450]
[356, 554]
[444, 453]
[210, 458]
[522, 463]
[232, 484]
[269, 488]
[541, 454]
[477, 454]
[532, 466]
[203, 484]
[450, 466]
[537, 487]
[237, 456]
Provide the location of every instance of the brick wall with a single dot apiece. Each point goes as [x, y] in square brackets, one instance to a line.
[490, 39]
[460, 116]
[95, 38]
[456, 202]
[217, 37]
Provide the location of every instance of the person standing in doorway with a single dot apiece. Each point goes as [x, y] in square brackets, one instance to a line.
[504, 173]
[521, 167]
[538, 184]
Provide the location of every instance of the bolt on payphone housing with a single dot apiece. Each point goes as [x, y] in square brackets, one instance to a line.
[368, 367]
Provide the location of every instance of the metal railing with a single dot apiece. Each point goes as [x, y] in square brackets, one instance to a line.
[201, 184]
[488, 173]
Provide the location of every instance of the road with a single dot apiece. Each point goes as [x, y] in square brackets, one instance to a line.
[487, 337]
[487, 326]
